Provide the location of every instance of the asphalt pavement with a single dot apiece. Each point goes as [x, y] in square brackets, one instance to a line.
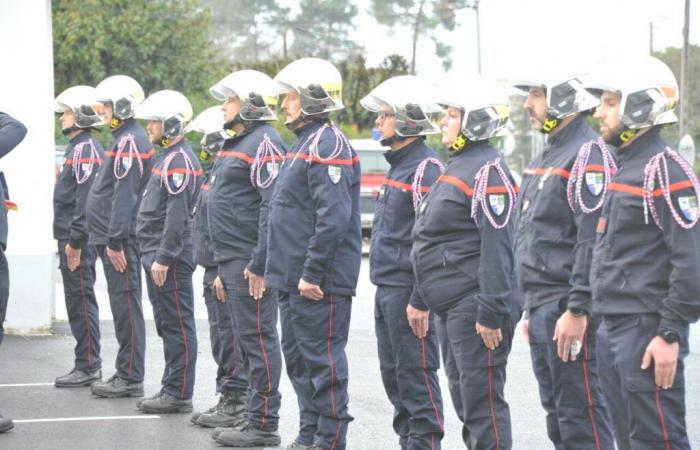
[51, 418]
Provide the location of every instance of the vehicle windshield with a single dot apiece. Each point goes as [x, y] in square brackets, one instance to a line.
[373, 161]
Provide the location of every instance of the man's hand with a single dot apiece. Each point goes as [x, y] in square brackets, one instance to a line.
[569, 333]
[159, 273]
[256, 284]
[219, 290]
[310, 291]
[492, 337]
[526, 330]
[665, 358]
[72, 257]
[118, 259]
[419, 321]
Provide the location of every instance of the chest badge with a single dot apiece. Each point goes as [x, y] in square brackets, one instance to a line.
[334, 173]
[497, 203]
[178, 178]
[594, 182]
[688, 206]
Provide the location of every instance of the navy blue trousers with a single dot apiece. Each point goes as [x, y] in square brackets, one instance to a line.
[645, 417]
[570, 392]
[230, 373]
[81, 305]
[476, 377]
[255, 327]
[409, 371]
[125, 302]
[314, 336]
[173, 311]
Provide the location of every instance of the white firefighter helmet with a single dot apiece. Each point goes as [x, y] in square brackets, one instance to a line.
[257, 93]
[123, 92]
[82, 101]
[647, 87]
[484, 105]
[412, 99]
[317, 82]
[171, 108]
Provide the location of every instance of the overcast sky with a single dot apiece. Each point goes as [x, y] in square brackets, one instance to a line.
[554, 33]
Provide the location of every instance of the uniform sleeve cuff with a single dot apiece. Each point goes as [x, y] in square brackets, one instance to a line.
[673, 325]
[488, 319]
[76, 243]
[164, 260]
[115, 245]
[257, 269]
[311, 278]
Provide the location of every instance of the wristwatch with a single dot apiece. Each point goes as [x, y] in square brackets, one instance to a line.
[669, 336]
[578, 312]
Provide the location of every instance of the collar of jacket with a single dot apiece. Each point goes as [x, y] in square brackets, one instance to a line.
[307, 129]
[83, 136]
[124, 127]
[645, 146]
[567, 133]
[469, 148]
[396, 156]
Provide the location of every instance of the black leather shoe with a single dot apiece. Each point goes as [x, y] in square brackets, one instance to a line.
[78, 378]
[117, 387]
[166, 404]
[250, 436]
[6, 424]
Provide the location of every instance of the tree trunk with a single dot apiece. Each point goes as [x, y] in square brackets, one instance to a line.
[416, 33]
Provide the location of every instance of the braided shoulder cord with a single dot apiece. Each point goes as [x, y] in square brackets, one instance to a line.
[77, 164]
[481, 190]
[267, 151]
[578, 170]
[133, 154]
[418, 179]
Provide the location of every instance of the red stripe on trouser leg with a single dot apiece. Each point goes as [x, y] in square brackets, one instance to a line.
[131, 317]
[662, 421]
[427, 385]
[491, 408]
[329, 348]
[87, 318]
[587, 384]
[182, 330]
[267, 364]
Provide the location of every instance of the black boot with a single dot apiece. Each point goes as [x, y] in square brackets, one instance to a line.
[249, 436]
[230, 414]
[117, 387]
[197, 414]
[6, 424]
[79, 378]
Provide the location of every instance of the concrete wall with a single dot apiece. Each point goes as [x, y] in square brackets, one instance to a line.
[26, 92]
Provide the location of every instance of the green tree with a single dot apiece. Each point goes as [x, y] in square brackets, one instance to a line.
[162, 44]
[423, 17]
[672, 57]
[322, 29]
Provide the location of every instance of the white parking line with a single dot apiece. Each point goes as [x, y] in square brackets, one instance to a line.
[87, 419]
[25, 384]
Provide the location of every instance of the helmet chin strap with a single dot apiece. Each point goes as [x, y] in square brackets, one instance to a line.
[114, 123]
[549, 124]
[386, 142]
[69, 130]
[461, 141]
[621, 135]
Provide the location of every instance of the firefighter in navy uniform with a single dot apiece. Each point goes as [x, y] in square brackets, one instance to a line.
[408, 361]
[240, 189]
[82, 159]
[646, 261]
[112, 206]
[552, 254]
[164, 232]
[231, 381]
[463, 262]
[315, 250]
[11, 134]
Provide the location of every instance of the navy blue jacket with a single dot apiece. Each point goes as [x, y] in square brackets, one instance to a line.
[314, 229]
[553, 243]
[456, 258]
[12, 132]
[164, 223]
[637, 267]
[203, 246]
[82, 160]
[394, 216]
[237, 209]
[113, 203]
